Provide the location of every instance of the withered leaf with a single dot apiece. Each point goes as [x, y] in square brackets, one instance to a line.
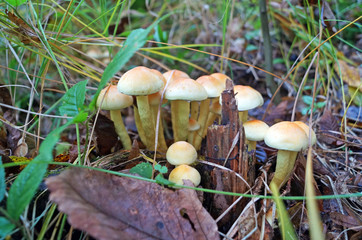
[111, 207]
[350, 75]
[106, 134]
[328, 123]
[344, 220]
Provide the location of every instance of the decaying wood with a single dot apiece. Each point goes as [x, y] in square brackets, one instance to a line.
[225, 146]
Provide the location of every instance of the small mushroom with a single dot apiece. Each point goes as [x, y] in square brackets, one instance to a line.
[141, 82]
[289, 139]
[181, 153]
[255, 130]
[247, 98]
[114, 101]
[184, 172]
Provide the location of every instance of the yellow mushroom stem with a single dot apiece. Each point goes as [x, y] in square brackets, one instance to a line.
[194, 112]
[139, 127]
[243, 116]
[204, 111]
[180, 110]
[121, 130]
[284, 167]
[251, 145]
[146, 121]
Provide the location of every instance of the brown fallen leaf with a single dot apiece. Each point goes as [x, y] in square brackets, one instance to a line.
[350, 75]
[327, 125]
[106, 134]
[111, 207]
[344, 220]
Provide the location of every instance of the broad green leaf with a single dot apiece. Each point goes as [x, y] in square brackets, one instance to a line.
[81, 117]
[285, 225]
[5, 227]
[163, 181]
[16, 3]
[27, 182]
[2, 181]
[73, 100]
[133, 43]
[143, 169]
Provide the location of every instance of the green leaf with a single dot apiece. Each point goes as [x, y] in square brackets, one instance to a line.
[161, 169]
[2, 181]
[81, 117]
[16, 3]
[307, 99]
[285, 225]
[5, 227]
[73, 100]
[143, 169]
[133, 43]
[161, 180]
[27, 182]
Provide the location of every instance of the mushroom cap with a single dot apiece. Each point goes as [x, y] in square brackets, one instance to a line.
[140, 81]
[113, 100]
[305, 127]
[247, 97]
[286, 136]
[193, 125]
[221, 77]
[213, 86]
[176, 74]
[185, 89]
[181, 153]
[215, 107]
[255, 130]
[184, 172]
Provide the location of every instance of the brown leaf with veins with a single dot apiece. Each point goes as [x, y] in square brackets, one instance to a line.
[111, 207]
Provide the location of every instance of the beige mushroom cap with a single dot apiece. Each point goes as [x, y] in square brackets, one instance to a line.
[213, 86]
[255, 130]
[140, 81]
[176, 74]
[286, 136]
[185, 172]
[185, 89]
[305, 127]
[112, 99]
[247, 97]
[221, 77]
[181, 153]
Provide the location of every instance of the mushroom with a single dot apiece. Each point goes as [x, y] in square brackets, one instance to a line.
[176, 74]
[306, 130]
[213, 88]
[289, 139]
[214, 113]
[114, 101]
[181, 91]
[181, 153]
[193, 127]
[140, 82]
[255, 130]
[246, 98]
[184, 172]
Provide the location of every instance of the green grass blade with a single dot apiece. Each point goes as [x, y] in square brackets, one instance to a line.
[314, 219]
[2, 181]
[27, 182]
[285, 225]
[5, 227]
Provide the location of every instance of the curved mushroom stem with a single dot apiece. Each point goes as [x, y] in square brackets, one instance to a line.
[204, 111]
[285, 165]
[139, 127]
[121, 130]
[146, 121]
[180, 111]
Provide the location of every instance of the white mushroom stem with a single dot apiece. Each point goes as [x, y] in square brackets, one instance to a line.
[284, 167]
[121, 130]
[180, 111]
[204, 111]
